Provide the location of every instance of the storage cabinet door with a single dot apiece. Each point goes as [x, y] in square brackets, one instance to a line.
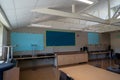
[77, 58]
[71, 59]
[83, 58]
[62, 59]
[12, 74]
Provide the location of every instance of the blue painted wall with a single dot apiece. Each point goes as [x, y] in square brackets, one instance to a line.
[24, 41]
[57, 38]
[93, 38]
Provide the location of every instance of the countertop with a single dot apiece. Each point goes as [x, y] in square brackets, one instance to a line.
[70, 52]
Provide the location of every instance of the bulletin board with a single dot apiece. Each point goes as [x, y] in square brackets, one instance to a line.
[26, 41]
[93, 38]
[58, 38]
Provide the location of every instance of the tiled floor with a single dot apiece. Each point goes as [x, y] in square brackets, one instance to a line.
[51, 73]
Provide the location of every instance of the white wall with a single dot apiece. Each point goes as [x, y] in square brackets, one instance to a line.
[81, 40]
[115, 41]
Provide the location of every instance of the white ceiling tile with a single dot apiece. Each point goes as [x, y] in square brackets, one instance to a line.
[23, 20]
[20, 15]
[7, 4]
[23, 16]
[9, 12]
[24, 3]
[23, 24]
[12, 18]
[53, 3]
[13, 22]
[20, 12]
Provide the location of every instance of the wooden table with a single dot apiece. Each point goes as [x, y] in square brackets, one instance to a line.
[97, 56]
[32, 58]
[105, 52]
[88, 72]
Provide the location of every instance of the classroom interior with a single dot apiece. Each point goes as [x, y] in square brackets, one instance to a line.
[59, 39]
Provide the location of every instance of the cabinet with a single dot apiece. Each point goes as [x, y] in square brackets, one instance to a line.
[12, 74]
[67, 58]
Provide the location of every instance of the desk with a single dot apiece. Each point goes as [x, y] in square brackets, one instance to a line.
[12, 74]
[34, 57]
[96, 55]
[30, 60]
[99, 52]
[88, 72]
[38, 56]
[72, 57]
[5, 67]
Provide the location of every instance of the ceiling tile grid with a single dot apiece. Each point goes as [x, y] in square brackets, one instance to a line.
[53, 3]
[22, 4]
[19, 13]
[7, 4]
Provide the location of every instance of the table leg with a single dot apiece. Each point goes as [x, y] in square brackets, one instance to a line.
[1, 75]
[98, 63]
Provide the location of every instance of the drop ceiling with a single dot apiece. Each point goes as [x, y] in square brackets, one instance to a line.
[20, 14]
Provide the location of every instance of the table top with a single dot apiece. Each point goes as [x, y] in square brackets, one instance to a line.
[70, 52]
[33, 57]
[88, 72]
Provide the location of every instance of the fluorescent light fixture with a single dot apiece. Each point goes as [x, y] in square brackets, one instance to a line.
[3, 19]
[118, 17]
[39, 25]
[86, 1]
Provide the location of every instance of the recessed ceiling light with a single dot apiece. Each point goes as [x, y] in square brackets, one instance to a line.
[86, 1]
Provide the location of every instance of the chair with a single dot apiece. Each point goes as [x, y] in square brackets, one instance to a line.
[64, 76]
[116, 59]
